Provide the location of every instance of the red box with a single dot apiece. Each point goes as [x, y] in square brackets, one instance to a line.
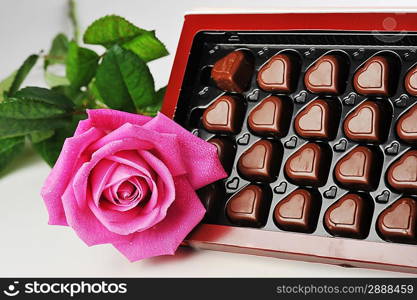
[339, 251]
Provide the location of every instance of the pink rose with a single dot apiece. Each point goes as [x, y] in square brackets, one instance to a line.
[130, 180]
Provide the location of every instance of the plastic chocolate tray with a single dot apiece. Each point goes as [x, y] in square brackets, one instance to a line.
[316, 129]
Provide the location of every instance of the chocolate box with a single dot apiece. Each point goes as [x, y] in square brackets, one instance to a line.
[314, 117]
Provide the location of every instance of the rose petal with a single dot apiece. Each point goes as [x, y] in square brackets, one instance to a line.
[85, 224]
[100, 176]
[82, 175]
[109, 120]
[203, 167]
[136, 219]
[62, 173]
[165, 237]
[165, 144]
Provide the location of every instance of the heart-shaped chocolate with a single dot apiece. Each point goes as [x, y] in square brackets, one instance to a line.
[349, 216]
[398, 223]
[314, 121]
[233, 72]
[358, 169]
[224, 115]
[308, 165]
[275, 75]
[411, 81]
[270, 117]
[402, 174]
[324, 76]
[259, 162]
[407, 126]
[365, 123]
[225, 150]
[298, 211]
[372, 77]
[246, 207]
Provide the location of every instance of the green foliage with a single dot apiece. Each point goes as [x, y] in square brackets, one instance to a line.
[118, 79]
[110, 30]
[21, 74]
[9, 149]
[124, 80]
[81, 65]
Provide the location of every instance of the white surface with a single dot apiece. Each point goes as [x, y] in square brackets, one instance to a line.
[28, 246]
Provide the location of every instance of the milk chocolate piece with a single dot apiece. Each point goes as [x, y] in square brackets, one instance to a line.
[233, 72]
[398, 223]
[317, 120]
[211, 196]
[359, 169]
[248, 207]
[271, 117]
[350, 216]
[277, 74]
[373, 77]
[402, 174]
[324, 76]
[309, 165]
[407, 126]
[225, 150]
[299, 211]
[367, 123]
[410, 82]
[224, 115]
[260, 162]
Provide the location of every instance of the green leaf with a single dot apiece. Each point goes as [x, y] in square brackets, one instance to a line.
[5, 85]
[124, 80]
[77, 96]
[29, 109]
[152, 110]
[50, 148]
[11, 127]
[46, 96]
[33, 109]
[81, 65]
[110, 30]
[147, 46]
[58, 52]
[9, 149]
[39, 136]
[22, 73]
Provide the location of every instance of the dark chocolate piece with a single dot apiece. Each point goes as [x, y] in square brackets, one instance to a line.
[248, 207]
[233, 72]
[271, 117]
[358, 170]
[224, 115]
[210, 196]
[402, 174]
[260, 162]
[398, 223]
[277, 74]
[317, 120]
[407, 125]
[367, 123]
[411, 82]
[309, 165]
[350, 216]
[373, 77]
[226, 152]
[323, 77]
[298, 211]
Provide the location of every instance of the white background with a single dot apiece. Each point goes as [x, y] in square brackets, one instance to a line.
[28, 246]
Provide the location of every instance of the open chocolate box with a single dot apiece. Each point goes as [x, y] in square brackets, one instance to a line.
[315, 120]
